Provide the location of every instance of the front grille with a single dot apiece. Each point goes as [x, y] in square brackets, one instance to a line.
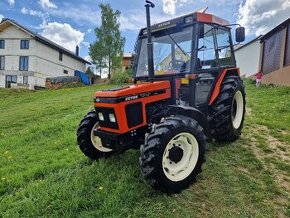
[134, 114]
[107, 123]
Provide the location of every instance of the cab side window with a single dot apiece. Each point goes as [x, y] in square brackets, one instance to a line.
[224, 47]
[206, 53]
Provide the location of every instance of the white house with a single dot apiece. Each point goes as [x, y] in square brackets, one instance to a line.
[248, 57]
[27, 59]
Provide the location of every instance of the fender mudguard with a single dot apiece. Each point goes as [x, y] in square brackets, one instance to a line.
[191, 112]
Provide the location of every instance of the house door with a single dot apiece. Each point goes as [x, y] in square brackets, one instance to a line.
[10, 79]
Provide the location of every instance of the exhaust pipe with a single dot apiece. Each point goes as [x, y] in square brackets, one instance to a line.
[149, 44]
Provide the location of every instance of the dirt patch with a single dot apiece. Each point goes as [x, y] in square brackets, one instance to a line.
[285, 132]
[279, 151]
[279, 148]
[243, 170]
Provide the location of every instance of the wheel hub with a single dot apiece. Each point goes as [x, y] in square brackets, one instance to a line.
[175, 154]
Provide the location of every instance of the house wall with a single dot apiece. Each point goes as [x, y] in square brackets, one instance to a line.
[278, 77]
[282, 75]
[43, 60]
[248, 58]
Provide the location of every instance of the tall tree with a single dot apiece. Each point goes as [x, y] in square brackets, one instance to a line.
[108, 48]
[97, 53]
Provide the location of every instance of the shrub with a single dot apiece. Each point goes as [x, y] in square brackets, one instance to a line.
[121, 77]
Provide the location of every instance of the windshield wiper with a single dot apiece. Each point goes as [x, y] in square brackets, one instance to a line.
[178, 45]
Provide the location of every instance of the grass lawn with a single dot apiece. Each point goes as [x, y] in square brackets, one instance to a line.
[43, 173]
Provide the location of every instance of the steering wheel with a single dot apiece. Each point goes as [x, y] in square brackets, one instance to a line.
[177, 64]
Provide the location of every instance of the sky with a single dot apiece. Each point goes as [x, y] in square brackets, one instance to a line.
[72, 22]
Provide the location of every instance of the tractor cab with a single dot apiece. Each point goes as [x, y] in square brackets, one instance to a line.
[193, 43]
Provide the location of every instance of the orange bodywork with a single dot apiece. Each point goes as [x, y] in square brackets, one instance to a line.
[209, 18]
[218, 84]
[132, 90]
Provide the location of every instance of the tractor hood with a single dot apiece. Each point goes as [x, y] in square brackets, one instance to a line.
[135, 91]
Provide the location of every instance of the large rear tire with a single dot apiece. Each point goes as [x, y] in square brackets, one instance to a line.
[173, 154]
[91, 145]
[228, 110]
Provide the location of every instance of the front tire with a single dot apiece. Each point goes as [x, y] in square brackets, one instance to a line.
[173, 154]
[90, 144]
[228, 110]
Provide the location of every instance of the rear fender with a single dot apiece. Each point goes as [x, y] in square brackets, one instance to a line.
[191, 112]
[224, 73]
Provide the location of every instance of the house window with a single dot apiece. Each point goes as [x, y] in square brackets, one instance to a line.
[2, 62]
[287, 48]
[23, 63]
[9, 80]
[24, 44]
[2, 44]
[272, 53]
[25, 80]
[60, 56]
[65, 71]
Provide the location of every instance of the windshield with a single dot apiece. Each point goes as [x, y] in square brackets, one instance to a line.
[171, 53]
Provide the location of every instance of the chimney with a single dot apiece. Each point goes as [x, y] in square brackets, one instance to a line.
[77, 50]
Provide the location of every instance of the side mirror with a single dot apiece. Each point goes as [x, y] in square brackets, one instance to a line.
[240, 34]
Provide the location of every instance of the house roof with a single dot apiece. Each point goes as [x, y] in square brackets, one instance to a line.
[127, 55]
[249, 43]
[7, 22]
[277, 28]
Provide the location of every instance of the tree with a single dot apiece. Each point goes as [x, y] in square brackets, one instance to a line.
[108, 48]
[97, 53]
[89, 72]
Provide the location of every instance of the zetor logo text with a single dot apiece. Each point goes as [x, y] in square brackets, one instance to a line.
[131, 98]
[163, 24]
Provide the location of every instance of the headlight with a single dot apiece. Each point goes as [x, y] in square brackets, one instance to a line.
[112, 118]
[101, 116]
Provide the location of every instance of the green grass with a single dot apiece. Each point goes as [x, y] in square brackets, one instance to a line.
[43, 173]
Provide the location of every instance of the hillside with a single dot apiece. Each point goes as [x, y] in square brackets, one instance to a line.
[43, 173]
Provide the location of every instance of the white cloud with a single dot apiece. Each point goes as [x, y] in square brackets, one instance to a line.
[47, 4]
[86, 44]
[32, 12]
[169, 6]
[89, 15]
[1, 17]
[134, 20]
[11, 3]
[258, 16]
[63, 34]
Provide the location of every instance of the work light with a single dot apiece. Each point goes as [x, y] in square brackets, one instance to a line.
[112, 118]
[101, 116]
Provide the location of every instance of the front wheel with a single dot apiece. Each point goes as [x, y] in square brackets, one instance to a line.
[173, 154]
[90, 144]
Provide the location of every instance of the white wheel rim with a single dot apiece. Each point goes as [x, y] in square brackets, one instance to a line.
[237, 109]
[96, 140]
[182, 169]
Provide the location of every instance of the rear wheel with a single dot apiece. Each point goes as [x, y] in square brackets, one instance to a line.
[91, 145]
[173, 154]
[229, 110]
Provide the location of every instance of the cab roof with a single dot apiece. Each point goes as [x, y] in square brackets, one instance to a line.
[187, 19]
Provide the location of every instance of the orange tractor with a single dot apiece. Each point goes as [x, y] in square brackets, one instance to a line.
[187, 89]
